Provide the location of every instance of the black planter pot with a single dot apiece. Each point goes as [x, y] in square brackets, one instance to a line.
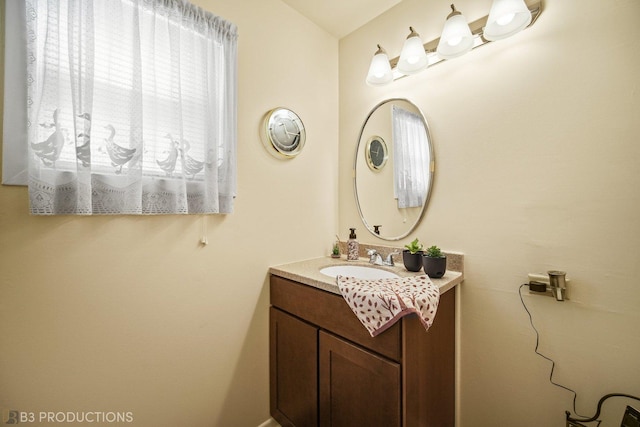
[412, 262]
[434, 267]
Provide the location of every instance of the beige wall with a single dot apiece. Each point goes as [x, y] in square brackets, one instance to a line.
[536, 145]
[129, 313]
[536, 150]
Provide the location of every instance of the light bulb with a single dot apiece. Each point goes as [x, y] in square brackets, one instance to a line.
[455, 41]
[505, 19]
[413, 59]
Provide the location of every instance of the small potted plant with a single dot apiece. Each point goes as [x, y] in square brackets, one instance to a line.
[335, 252]
[435, 262]
[412, 256]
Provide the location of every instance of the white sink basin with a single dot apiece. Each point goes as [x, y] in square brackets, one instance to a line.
[359, 271]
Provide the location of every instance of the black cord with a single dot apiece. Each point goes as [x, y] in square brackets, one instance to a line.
[599, 408]
[553, 364]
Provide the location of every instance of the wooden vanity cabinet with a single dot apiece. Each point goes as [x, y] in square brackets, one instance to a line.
[326, 370]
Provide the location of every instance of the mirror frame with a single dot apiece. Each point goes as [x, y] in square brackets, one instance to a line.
[431, 166]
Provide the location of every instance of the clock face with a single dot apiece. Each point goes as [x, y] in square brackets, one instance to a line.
[284, 133]
[376, 153]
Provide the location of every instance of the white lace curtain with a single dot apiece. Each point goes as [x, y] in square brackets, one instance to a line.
[131, 107]
[410, 158]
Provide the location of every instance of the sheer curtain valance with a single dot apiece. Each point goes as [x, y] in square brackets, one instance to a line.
[131, 107]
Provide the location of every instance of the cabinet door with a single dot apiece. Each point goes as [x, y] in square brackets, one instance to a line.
[293, 360]
[357, 387]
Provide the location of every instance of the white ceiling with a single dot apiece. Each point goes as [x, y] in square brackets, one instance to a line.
[340, 17]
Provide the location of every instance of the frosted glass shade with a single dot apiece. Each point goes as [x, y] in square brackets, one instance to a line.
[413, 57]
[380, 69]
[456, 38]
[506, 18]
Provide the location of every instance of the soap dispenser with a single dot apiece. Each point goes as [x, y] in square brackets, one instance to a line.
[353, 247]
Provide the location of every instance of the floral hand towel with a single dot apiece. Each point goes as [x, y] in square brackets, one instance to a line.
[382, 302]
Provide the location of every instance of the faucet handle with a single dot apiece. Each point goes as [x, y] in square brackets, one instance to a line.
[389, 259]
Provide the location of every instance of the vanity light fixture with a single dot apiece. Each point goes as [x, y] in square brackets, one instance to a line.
[456, 38]
[380, 69]
[413, 57]
[506, 18]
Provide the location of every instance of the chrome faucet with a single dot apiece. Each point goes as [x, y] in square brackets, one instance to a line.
[376, 259]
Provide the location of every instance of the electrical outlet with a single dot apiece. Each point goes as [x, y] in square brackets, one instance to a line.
[544, 278]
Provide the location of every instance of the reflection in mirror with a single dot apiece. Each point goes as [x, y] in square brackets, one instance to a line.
[393, 169]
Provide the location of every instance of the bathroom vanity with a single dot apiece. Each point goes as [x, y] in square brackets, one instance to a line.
[326, 370]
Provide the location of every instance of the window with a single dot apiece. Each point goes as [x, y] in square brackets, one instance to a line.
[131, 108]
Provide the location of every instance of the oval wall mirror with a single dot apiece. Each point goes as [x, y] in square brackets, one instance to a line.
[393, 169]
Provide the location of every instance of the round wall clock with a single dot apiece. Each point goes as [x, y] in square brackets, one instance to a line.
[375, 152]
[283, 133]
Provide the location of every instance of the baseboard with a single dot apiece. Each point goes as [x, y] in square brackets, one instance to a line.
[270, 423]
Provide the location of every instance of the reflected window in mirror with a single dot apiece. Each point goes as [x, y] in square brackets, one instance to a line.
[411, 158]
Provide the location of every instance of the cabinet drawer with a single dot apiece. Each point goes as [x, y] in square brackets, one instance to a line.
[331, 312]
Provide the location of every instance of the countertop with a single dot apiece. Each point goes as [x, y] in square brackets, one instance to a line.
[308, 272]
